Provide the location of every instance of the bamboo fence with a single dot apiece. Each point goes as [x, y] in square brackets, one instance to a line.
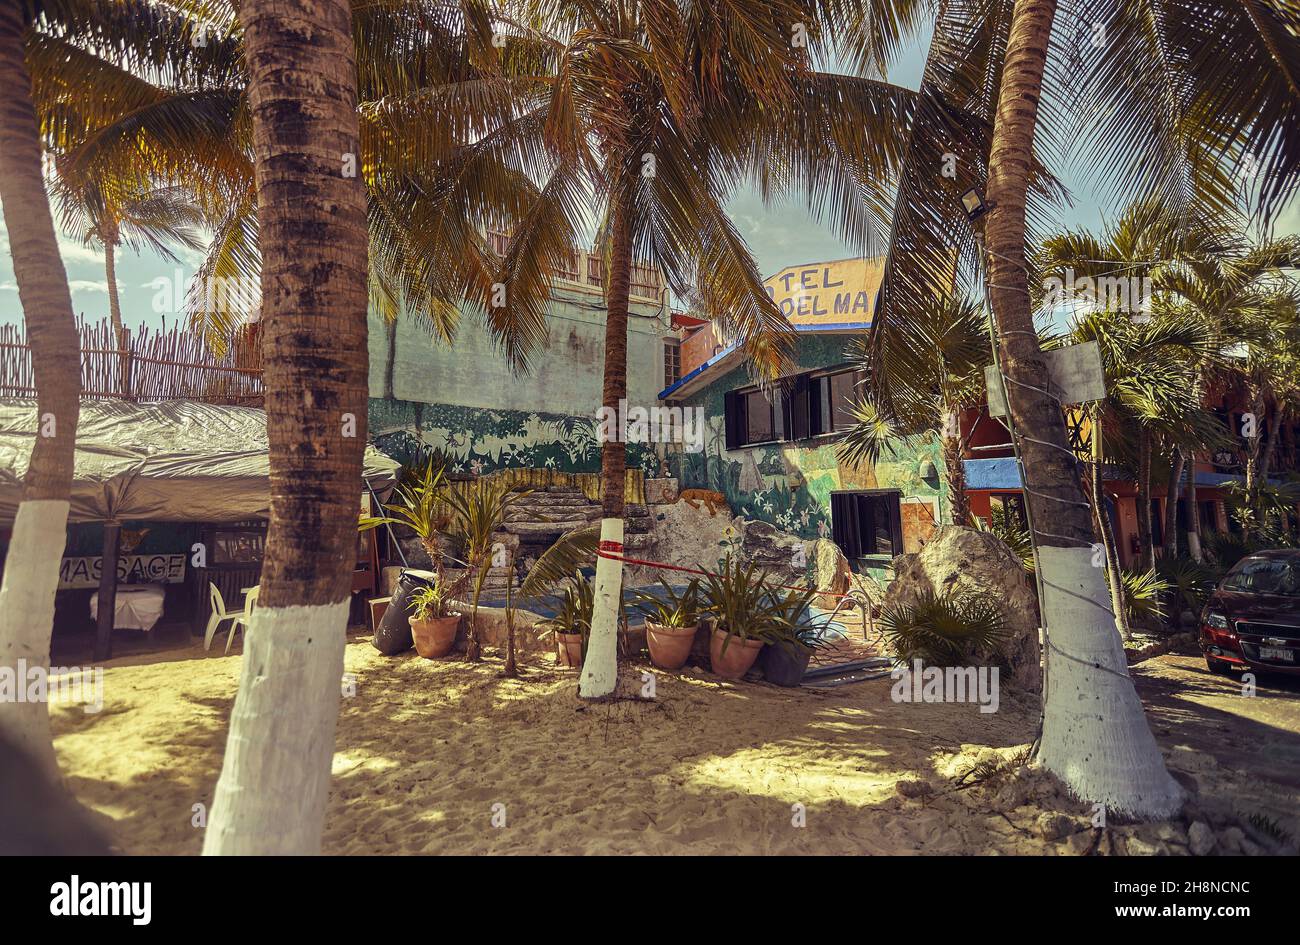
[168, 363]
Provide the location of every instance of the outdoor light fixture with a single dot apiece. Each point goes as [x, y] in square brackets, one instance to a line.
[974, 203]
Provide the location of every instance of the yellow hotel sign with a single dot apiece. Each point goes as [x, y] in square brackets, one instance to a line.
[828, 293]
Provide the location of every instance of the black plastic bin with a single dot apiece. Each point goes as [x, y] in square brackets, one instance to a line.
[393, 635]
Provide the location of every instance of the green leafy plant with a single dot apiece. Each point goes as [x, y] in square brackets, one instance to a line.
[422, 506]
[479, 512]
[739, 600]
[1227, 548]
[670, 609]
[789, 620]
[946, 629]
[1190, 583]
[431, 603]
[577, 601]
[1013, 534]
[1143, 593]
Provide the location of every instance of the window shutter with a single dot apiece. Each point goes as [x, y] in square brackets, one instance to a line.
[731, 408]
[844, 524]
[895, 523]
[800, 410]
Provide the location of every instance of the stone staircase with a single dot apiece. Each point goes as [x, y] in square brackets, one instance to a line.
[538, 519]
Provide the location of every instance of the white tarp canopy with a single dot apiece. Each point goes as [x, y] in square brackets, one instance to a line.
[179, 461]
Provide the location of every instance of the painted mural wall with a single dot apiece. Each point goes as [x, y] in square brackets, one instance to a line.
[789, 484]
[479, 441]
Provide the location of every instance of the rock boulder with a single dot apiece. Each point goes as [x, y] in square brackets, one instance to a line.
[964, 560]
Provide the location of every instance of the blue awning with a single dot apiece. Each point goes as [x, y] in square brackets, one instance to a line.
[1000, 472]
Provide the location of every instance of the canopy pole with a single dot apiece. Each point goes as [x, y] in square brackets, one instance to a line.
[107, 592]
[378, 509]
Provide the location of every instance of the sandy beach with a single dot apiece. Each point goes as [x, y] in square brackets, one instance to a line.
[427, 752]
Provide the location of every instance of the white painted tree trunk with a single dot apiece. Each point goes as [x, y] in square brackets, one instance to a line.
[1095, 734]
[275, 778]
[600, 668]
[31, 579]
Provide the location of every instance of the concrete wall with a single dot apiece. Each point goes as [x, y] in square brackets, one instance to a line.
[465, 400]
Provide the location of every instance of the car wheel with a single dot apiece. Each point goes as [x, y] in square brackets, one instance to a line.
[1218, 667]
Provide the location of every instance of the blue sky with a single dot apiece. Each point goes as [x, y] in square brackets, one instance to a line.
[779, 236]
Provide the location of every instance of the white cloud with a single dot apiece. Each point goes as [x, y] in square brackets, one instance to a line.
[88, 285]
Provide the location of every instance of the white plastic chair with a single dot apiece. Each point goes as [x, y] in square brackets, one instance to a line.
[242, 618]
[219, 616]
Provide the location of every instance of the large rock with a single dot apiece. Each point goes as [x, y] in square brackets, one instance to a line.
[784, 556]
[661, 491]
[831, 572]
[964, 561]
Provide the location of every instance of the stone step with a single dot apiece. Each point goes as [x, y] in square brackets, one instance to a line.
[527, 529]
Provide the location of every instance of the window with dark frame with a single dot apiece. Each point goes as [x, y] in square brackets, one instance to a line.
[806, 406]
[672, 361]
[867, 523]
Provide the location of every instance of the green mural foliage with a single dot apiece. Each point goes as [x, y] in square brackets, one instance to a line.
[479, 441]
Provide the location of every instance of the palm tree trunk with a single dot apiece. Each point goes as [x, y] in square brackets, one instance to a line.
[511, 669]
[1193, 512]
[1177, 464]
[600, 666]
[275, 778]
[1095, 736]
[1252, 463]
[1146, 535]
[1262, 462]
[1106, 531]
[31, 574]
[955, 472]
[474, 645]
[115, 315]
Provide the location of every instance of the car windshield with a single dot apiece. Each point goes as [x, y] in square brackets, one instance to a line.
[1265, 576]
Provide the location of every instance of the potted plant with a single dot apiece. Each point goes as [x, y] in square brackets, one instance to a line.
[433, 623]
[571, 624]
[671, 620]
[479, 513]
[739, 601]
[791, 635]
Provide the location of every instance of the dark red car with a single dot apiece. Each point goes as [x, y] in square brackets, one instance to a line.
[1252, 620]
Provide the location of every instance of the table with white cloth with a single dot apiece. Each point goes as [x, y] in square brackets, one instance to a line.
[139, 606]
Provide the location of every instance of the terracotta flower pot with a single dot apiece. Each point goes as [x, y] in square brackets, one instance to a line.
[738, 658]
[569, 646]
[669, 646]
[435, 636]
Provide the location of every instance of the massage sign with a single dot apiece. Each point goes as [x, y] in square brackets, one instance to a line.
[131, 569]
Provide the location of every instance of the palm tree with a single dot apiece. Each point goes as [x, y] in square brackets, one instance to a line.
[1271, 372]
[933, 367]
[153, 218]
[31, 572]
[275, 777]
[1226, 293]
[661, 110]
[160, 94]
[1148, 368]
[1119, 276]
[479, 513]
[1171, 99]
